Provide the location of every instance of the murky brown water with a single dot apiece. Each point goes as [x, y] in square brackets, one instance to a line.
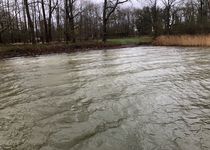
[144, 98]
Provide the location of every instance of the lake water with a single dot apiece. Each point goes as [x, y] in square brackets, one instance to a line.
[142, 98]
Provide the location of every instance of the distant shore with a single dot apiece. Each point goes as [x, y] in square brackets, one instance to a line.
[24, 50]
[183, 40]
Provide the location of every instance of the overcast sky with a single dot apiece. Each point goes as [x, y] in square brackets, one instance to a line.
[134, 3]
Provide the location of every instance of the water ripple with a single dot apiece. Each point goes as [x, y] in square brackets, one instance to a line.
[132, 98]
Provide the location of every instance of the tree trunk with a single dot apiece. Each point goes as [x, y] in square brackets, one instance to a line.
[25, 28]
[168, 20]
[104, 38]
[50, 28]
[155, 18]
[73, 38]
[104, 30]
[58, 24]
[66, 32]
[49, 21]
[45, 22]
[71, 21]
[41, 27]
[1, 41]
[30, 23]
[35, 20]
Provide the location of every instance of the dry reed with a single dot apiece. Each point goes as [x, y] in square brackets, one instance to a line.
[183, 40]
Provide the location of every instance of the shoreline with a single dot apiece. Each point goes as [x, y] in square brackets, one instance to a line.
[38, 50]
[29, 50]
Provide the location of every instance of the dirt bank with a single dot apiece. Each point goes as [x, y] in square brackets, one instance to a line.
[9, 51]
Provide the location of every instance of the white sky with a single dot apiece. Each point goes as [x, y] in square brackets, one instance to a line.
[134, 3]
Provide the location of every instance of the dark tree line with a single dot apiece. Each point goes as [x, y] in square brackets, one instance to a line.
[24, 21]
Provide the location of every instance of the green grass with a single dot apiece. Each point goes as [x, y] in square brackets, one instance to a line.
[132, 40]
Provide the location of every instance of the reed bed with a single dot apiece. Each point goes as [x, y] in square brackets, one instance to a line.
[183, 40]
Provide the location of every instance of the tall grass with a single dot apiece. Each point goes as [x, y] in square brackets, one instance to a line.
[183, 40]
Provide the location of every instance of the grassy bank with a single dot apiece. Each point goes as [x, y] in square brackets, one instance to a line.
[15, 50]
[183, 40]
[144, 40]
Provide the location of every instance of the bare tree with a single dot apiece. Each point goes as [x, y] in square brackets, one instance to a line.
[169, 4]
[54, 20]
[52, 7]
[71, 12]
[154, 9]
[44, 20]
[48, 23]
[3, 22]
[109, 8]
[30, 23]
